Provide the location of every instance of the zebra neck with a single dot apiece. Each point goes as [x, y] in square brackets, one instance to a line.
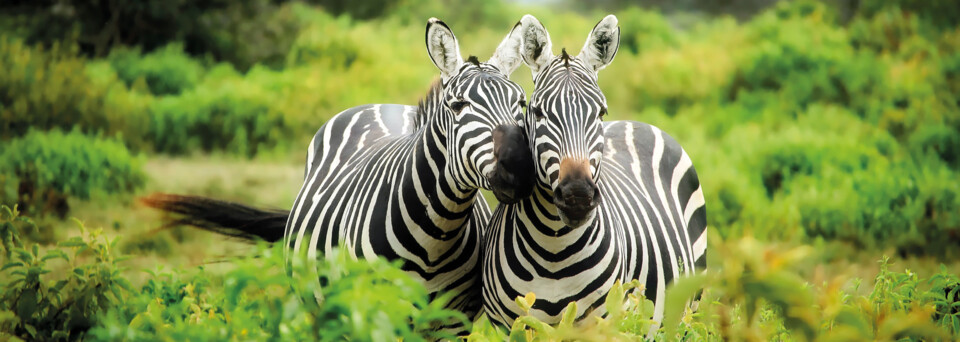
[541, 214]
[446, 207]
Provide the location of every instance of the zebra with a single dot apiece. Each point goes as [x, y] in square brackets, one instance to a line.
[401, 182]
[613, 201]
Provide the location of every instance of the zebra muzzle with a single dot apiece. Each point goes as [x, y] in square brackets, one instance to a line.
[513, 176]
[576, 195]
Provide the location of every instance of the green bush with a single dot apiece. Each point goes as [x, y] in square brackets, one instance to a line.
[245, 33]
[642, 30]
[42, 169]
[167, 71]
[57, 295]
[363, 301]
[941, 14]
[328, 39]
[50, 88]
[227, 114]
[240, 32]
[797, 52]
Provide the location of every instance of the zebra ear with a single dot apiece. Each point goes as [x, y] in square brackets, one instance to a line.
[602, 44]
[507, 57]
[443, 48]
[534, 44]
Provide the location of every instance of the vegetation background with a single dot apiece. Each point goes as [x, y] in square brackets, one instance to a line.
[826, 135]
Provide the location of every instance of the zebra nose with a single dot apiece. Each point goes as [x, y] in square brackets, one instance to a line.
[577, 197]
[512, 177]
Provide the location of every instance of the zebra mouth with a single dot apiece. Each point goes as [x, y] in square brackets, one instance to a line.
[576, 204]
[574, 216]
[506, 196]
[576, 222]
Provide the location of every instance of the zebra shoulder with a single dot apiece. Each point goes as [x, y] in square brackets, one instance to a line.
[627, 141]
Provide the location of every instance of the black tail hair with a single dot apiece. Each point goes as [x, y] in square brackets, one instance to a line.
[222, 217]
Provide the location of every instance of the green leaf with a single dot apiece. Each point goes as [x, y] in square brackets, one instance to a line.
[677, 297]
[75, 241]
[55, 254]
[526, 302]
[30, 330]
[569, 315]
[27, 304]
[614, 300]
[11, 264]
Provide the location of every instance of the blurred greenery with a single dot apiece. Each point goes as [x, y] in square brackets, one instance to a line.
[809, 122]
[42, 169]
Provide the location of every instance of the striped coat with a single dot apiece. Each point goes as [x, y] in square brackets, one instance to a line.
[614, 201]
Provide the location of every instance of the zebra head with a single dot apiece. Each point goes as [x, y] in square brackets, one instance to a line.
[564, 118]
[482, 109]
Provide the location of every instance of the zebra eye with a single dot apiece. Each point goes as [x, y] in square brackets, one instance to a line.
[537, 113]
[523, 104]
[457, 106]
[603, 111]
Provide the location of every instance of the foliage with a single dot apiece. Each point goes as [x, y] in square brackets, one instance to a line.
[257, 300]
[42, 169]
[759, 293]
[240, 32]
[57, 295]
[44, 88]
[167, 71]
[231, 115]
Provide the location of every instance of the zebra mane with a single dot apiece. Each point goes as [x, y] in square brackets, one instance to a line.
[474, 60]
[429, 103]
[565, 57]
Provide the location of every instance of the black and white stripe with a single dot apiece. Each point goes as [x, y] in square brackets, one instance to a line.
[400, 182]
[650, 223]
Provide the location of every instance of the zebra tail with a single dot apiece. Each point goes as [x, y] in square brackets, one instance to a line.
[222, 217]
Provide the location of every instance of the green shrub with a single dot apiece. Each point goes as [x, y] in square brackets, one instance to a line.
[941, 142]
[940, 14]
[795, 51]
[245, 33]
[642, 30]
[49, 88]
[167, 71]
[328, 39]
[57, 295]
[159, 243]
[240, 32]
[42, 169]
[228, 114]
[363, 301]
